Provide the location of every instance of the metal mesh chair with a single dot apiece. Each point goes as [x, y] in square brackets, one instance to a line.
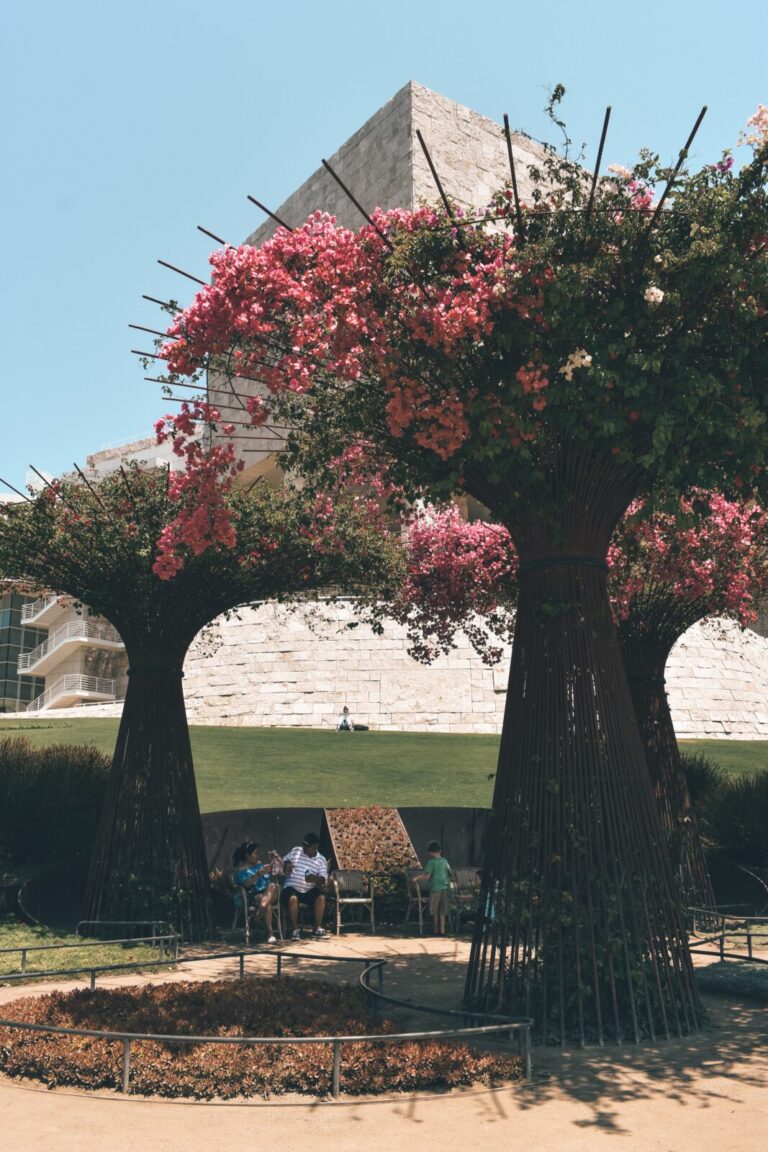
[353, 889]
[417, 898]
[465, 894]
[248, 908]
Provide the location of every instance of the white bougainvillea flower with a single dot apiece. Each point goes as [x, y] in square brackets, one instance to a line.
[578, 359]
[653, 295]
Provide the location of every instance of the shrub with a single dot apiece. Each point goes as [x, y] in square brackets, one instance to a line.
[733, 811]
[251, 1007]
[738, 821]
[50, 799]
[705, 779]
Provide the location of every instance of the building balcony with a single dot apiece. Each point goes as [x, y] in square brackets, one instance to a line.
[74, 689]
[63, 641]
[44, 611]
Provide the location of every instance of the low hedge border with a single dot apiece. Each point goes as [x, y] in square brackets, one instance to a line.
[254, 1006]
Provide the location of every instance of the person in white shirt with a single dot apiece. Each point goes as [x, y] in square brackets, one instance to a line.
[345, 723]
[306, 877]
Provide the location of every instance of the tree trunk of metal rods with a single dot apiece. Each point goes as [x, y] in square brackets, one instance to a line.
[149, 859]
[583, 926]
[645, 670]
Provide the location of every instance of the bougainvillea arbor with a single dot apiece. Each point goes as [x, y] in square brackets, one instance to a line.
[669, 568]
[699, 556]
[98, 542]
[552, 359]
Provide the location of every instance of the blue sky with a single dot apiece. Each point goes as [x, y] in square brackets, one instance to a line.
[126, 125]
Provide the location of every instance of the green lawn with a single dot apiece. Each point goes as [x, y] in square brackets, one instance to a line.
[739, 757]
[276, 767]
[14, 934]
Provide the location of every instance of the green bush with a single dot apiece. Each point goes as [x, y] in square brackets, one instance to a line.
[705, 779]
[50, 799]
[732, 811]
[738, 822]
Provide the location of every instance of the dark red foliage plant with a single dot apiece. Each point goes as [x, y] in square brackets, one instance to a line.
[250, 1007]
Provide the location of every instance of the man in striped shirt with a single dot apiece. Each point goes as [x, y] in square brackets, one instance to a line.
[306, 875]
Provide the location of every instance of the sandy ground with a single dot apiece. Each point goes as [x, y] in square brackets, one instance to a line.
[708, 1092]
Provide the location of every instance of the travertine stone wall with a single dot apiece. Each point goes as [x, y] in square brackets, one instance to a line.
[717, 680]
[272, 667]
[269, 667]
[384, 166]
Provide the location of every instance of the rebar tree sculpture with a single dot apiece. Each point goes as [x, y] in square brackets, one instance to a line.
[669, 568]
[98, 542]
[552, 359]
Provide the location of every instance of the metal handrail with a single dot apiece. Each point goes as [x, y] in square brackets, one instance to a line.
[72, 682]
[75, 630]
[30, 611]
[160, 941]
[520, 1024]
[734, 932]
[94, 969]
[128, 1038]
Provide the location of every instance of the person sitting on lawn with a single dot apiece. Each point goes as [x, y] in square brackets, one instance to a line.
[345, 723]
[306, 875]
[256, 878]
[438, 872]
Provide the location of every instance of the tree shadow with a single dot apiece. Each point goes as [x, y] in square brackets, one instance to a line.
[697, 1071]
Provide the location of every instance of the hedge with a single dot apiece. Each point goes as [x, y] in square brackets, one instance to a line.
[50, 799]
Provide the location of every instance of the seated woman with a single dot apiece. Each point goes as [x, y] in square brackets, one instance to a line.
[256, 878]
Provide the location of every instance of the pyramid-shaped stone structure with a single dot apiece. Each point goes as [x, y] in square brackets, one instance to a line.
[384, 166]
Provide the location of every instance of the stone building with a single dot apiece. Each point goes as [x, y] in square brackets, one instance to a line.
[266, 666]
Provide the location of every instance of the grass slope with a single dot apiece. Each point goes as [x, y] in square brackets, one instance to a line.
[276, 767]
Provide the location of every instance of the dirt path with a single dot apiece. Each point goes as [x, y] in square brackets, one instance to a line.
[708, 1093]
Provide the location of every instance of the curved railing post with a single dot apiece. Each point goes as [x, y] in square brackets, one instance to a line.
[336, 1077]
[126, 1064]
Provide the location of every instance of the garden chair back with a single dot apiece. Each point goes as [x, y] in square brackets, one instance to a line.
[353, 888]
[416, 896]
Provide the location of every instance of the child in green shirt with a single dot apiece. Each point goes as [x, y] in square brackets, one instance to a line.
[438, 872]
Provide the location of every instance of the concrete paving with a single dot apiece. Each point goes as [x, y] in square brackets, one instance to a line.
[706, 1092]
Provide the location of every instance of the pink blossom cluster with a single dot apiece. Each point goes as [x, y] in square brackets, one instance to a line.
[317, 279]
[758, 121]
[714, 551]
[457, 570]
[317, 300]
[203, 519]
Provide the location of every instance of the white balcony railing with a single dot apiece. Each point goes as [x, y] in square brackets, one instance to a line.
[76, 630]
[73, 685]
[30, 612]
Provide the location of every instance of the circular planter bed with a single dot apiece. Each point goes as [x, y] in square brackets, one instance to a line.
[250, 1007]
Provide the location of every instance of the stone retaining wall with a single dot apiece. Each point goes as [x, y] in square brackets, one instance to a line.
[273, 667]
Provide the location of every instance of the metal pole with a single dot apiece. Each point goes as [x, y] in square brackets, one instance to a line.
[279, 964]
[336, 1069]
[126, 1064]
[242, 961]
[749, 941]
[23, 959]
[528, 1059]
[93, 978]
